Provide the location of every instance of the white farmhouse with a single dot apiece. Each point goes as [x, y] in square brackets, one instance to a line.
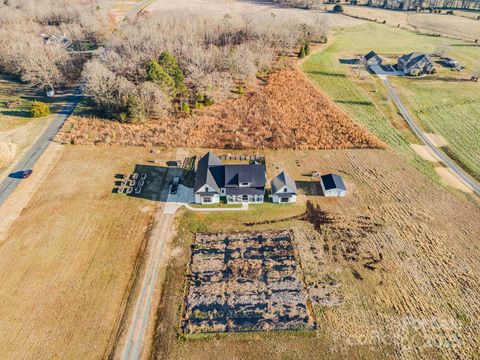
[284, 189]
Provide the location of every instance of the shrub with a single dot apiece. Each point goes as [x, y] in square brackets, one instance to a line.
[39, 109]
[208, 101]
[301, 53]
[338, 8]
[186, 108]
[136, 111]
[450, 12]
[307, 48]
[240, 90]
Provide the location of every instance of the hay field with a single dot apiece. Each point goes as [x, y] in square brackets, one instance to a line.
[68, 261]
[287, 112]
[394, 274]
[246, 7]
[454, 26]
[451, 109]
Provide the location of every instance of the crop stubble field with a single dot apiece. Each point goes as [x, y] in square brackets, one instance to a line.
[71, 256]
[391, 269]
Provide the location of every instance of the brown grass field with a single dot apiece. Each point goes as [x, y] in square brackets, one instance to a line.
[288, 112]
[395, 273]
[69, 259]
[453, 26]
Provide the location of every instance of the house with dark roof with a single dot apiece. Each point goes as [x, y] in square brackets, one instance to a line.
[416, 64]
[283, 189]
[372, 58]
[238, 183]
[333, 185]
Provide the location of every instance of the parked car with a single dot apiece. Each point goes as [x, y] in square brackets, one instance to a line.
[138, 190]
[175, 182]
[25, 173]
[140, 183]
[143, 176]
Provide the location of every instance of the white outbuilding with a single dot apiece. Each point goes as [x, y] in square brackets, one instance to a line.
[333, 185]
[284, 190]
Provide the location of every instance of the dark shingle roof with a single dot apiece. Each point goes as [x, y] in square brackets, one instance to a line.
[211, 172]
[244, 191]
[332, 181]
[372, 54]
[281, 180]
[204, 175]
[245, 173]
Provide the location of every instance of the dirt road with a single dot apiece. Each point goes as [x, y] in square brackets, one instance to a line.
[143, 313]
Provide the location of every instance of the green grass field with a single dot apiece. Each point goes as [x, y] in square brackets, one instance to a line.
[451, 109]
[364, 97]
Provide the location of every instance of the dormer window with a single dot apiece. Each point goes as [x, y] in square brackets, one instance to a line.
[244, 184]
[206, 188]
[285, 189]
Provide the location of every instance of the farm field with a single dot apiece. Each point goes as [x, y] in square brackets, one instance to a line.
[72, 255]
[222, 7]
[454, 26]
[392, 273]
[451, 109]
[364, 96]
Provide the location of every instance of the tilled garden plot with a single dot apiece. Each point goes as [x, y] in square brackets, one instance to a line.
[246, 282]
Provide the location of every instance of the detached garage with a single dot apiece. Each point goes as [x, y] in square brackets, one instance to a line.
[333, 185]
[284, 190]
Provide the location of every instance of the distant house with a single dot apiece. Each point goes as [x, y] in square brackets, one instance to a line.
[372, 59]
[333, 185]
[284, 189]
[238, 183]
[416, 64]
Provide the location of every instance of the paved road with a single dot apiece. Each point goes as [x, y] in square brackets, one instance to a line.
[467, 179]
[9, 184]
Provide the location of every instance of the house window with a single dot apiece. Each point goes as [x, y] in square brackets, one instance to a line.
[244, 197]
[285, 189]
[207, 199]
[206, 188]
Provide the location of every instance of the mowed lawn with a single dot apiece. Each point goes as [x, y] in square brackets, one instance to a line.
[67, 262]
[364, 97]
[451, 109]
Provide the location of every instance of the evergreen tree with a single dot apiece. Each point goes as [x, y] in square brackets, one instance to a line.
[157, 75]
[307, 48]
[301, 54]
[170, 64]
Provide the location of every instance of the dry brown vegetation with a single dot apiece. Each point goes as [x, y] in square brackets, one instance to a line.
[288, 112]
[68, 261]
[393, 273]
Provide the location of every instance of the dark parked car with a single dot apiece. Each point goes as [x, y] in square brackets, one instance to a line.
[175, 182]
[25, 173]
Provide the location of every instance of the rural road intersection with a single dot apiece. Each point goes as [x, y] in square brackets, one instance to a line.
[33, 154]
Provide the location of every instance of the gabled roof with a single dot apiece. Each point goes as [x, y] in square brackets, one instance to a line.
[372, 54]
[245, 173]
[413, 59]
[281, 180]
[204, 174]
[212, 173]
[332, 181]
